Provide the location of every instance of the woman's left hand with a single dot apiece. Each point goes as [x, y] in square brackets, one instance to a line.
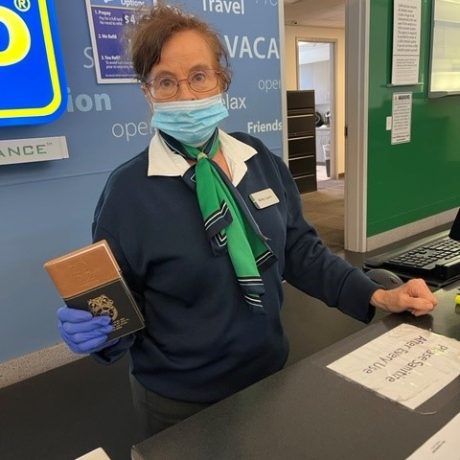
[413, 296]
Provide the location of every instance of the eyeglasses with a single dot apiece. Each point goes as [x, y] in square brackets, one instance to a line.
[199, 81]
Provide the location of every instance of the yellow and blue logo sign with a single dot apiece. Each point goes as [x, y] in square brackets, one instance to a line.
[31, 71]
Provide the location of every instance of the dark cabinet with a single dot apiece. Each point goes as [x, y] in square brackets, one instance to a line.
[301, 138]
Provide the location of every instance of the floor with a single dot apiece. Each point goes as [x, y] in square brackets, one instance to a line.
[68, 411]
[321, 173]
[325, 210]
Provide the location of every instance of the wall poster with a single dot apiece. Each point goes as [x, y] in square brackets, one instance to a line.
[107, 20]
[406, 42]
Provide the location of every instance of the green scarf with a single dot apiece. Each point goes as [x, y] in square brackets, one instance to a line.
[227, 220]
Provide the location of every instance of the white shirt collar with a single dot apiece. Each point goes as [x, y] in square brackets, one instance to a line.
[163, 162]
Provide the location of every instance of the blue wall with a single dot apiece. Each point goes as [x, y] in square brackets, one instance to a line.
[46, 207]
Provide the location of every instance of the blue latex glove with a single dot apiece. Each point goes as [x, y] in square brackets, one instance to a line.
[83, 332]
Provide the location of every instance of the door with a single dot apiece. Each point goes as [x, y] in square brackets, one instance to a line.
[316, 71]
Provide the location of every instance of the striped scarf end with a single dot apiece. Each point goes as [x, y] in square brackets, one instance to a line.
[221, 240]
[254, 301]
[266, 259]
[251, 282]
[218, 216]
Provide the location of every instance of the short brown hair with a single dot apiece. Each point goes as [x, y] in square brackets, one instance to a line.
[157, 25]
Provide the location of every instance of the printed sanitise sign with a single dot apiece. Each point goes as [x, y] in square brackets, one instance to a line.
[31, 69]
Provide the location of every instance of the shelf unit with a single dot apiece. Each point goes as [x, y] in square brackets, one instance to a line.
[301, 138]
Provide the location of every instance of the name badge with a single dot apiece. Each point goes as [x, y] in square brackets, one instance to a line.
[264, 198]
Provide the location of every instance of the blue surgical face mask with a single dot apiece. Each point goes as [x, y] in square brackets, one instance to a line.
[190, 122]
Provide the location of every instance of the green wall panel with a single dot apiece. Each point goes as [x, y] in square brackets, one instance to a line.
[408, 182]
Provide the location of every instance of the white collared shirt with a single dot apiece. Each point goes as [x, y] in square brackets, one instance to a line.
[164, 162]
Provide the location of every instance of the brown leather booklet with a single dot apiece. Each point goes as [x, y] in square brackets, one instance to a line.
[90, 279]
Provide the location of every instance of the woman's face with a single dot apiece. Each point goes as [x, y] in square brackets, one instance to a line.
[183, 56]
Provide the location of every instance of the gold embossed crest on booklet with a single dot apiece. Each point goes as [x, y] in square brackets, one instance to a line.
[90, 279]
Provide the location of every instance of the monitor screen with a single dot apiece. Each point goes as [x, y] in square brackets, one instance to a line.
[455, 229]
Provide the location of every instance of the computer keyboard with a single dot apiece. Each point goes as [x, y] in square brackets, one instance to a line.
[437, 261]
[429, 256]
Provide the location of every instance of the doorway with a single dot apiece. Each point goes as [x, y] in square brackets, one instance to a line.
[315, 70]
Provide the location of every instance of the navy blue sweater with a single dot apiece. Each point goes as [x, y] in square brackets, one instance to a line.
[202, 342]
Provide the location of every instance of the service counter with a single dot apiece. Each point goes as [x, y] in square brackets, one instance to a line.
[307, 411]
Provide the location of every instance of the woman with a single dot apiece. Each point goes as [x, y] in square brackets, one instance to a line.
[202, 253]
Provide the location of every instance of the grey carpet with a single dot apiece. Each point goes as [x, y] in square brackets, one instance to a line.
[324, 209]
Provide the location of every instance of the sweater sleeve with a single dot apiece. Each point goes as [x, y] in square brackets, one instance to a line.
[312, 268]
[112, 353]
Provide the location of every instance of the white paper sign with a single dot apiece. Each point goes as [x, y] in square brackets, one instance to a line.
[401, 118]
[407, 364]
[406, 42]
[445, 444]
[35, 149]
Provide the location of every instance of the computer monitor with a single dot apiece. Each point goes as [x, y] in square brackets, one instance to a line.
[455, 229]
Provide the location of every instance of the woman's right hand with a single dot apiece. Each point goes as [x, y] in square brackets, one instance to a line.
[83, 332]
